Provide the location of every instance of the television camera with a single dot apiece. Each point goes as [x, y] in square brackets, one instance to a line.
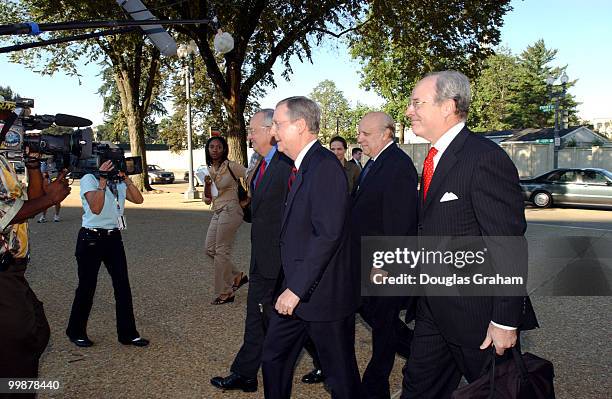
[74, 151]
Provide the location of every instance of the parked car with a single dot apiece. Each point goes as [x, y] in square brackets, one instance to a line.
[158, 175]
[196, 181]
[570, 186]
[19, 167]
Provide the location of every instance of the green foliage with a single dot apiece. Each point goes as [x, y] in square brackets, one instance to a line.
[8, 94]
[264, 32]
[335, 111]
[402, 41]
[510, 89]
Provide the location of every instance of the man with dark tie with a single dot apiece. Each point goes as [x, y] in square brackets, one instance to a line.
[383, 204]
[482, 197]
[320, 289]
[268, 188]
[356, 154]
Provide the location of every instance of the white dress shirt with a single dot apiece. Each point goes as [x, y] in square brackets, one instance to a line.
[302, 154]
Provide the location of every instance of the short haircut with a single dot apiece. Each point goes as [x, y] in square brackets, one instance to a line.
[453, 85]
[300, 107]
[340, 140]
[356, 150]
[224, 154]
[268, 113]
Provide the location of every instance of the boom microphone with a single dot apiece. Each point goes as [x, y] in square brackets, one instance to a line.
[158, 35]
[71, 121]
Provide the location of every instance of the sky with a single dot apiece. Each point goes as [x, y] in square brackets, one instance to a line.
[579, 30]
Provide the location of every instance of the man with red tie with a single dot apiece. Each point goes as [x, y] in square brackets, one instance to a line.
[319, 293]
[470, 187]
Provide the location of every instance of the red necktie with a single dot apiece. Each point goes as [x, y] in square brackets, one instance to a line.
[262, 170]
[428, 170]
[292, 177]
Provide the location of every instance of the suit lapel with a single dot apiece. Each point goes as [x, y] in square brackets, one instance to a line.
[370, 177]
[265, 181]
[299, 179]
[446, 163]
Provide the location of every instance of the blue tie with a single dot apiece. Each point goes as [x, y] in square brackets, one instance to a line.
[364, 172]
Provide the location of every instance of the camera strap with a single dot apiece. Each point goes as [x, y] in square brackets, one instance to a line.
[115, 191]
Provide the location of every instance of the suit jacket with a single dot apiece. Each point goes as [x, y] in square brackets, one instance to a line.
[489, 203]
[315, 240]
[353, 160]
[267, 202]
[385, 203]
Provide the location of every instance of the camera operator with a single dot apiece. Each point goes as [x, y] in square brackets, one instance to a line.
[99, 240]
[24, 331]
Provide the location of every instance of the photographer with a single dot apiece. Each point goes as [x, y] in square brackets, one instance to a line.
[99, 240]
[24, 331]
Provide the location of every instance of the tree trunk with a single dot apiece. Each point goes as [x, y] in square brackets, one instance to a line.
[135, 125]
[236, 134]
[400, 133]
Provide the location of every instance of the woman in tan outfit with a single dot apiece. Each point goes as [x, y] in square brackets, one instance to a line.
[227, 217]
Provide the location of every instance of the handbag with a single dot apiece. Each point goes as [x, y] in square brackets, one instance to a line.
[243, 197]
[527, 377]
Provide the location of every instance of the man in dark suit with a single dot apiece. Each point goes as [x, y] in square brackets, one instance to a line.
[384, 204]
[320, 289]
[268, 189]
[356, 154]
[469, 187]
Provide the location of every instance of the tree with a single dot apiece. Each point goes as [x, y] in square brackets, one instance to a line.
[208, 111]
[532, 88]
[402, 41]
[494, 92]
[135, 64]
[335, 111]
[264, 32]
[510, 90]
[8, 94]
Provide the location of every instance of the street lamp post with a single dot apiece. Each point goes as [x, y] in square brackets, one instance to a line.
[186, 52]
[556, 97]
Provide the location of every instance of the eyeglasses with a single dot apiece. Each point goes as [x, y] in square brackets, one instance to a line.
[276, 125]
[416, 104]
[251, 130]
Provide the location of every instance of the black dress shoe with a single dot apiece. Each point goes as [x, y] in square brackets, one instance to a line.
[136, 342]
[314, 377]
[83, 342]
[235, 381]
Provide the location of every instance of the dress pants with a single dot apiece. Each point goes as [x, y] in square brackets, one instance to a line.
[259, 306]
[436, 365]
[24, 331]
[389, 333]
[219, 240]
[335, 344]
[92, 249]
[248, 359]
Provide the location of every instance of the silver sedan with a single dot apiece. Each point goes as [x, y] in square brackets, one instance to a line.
[570, 186]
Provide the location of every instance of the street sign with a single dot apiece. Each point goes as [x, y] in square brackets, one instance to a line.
[546, 108]
[544, 141]
[557, 141]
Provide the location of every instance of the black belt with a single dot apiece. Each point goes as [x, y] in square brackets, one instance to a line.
[101, 232]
